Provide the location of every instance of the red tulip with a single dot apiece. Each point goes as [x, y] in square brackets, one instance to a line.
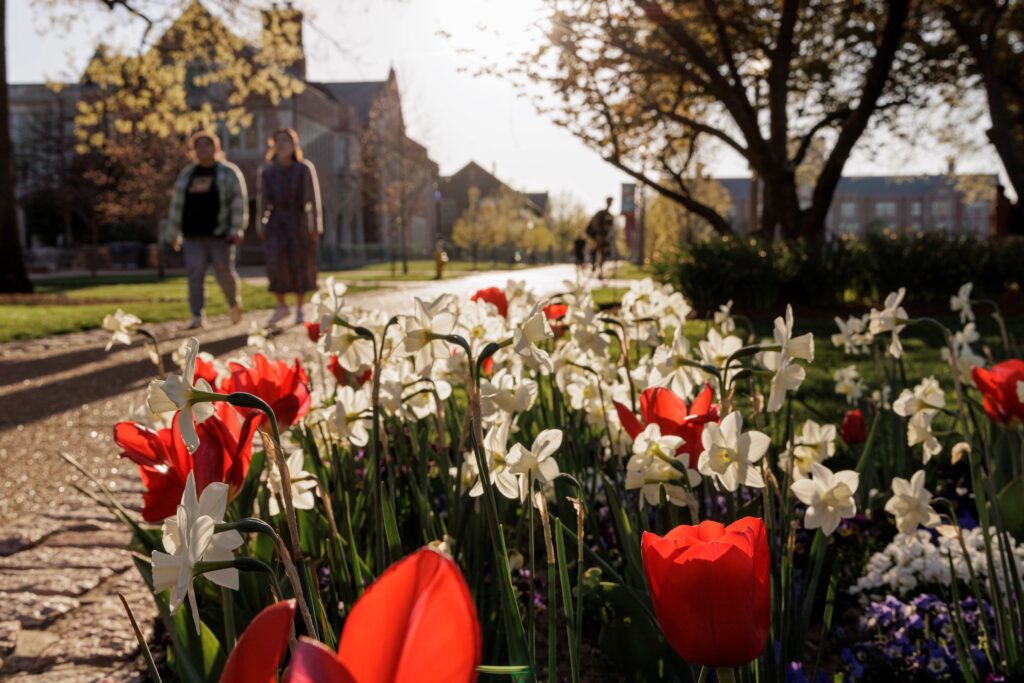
[313, 330]
[205, 370]
[711, 591]
[416, 623]
[283, 387]
[224, 453]
[495, 296]
[663, 407]
[263, 643]
[555, 311]
[343, 376]
[853, 429]
[1000, 389]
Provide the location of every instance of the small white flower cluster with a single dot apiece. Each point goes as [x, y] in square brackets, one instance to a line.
[914, 561]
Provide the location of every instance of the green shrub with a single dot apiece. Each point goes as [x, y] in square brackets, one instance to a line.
[760, 275]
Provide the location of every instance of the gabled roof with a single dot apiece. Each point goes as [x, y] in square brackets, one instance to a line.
[540, 200]
[360, 95]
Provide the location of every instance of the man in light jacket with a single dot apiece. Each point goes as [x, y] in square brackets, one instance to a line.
[208, 216]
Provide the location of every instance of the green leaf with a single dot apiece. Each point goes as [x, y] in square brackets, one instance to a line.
[1010, 507]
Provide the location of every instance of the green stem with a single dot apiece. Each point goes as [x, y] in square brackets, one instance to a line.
[725, 674]
[227, 603]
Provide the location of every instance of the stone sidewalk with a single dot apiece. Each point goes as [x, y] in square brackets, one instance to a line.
[62, 557]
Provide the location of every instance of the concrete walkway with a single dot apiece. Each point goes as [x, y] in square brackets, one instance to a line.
[62, 557]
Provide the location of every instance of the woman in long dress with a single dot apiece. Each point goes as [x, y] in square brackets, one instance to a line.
[290, 221]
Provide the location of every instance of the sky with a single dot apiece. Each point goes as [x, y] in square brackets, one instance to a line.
[434, 46]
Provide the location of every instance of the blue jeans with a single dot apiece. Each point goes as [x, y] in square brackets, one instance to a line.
[201, 252]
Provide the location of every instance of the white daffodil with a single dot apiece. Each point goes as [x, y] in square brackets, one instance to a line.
[675, 309]
[468, 474]
[853, 336]
[329, 302]
[965, 356]
[673, 366]
[508, 393]
[496, 452]
[889, 320]
[354, 351]
[730, 455]
[927, 397]
[723, 318]
[716, 350]
[849, 384]
[586, 331]
[350, 415]
[921, 405]
[436, 319]
[178, 392]
[531, 332]
[788, 375]
[303, 483]
[910, 504]
[122, 325]
[535, 463]
[420, 401]
[961, 302]
[650, 468]
[189, 538]
[801, 347]
[260, 339]
[816, 443]
[828, 497]
[919, 431]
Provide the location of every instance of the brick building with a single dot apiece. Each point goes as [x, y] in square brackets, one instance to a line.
[454, 195]
[378, 186]
[958, 204]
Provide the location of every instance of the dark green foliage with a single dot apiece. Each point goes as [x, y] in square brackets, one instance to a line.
[759, 275]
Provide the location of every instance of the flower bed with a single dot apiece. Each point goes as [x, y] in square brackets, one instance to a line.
[524, 489]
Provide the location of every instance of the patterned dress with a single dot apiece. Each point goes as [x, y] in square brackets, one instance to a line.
[290, 219]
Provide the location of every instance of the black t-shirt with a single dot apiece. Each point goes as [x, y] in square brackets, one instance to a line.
[202, 203]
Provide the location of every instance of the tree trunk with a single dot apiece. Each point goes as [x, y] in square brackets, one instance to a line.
[13, 276]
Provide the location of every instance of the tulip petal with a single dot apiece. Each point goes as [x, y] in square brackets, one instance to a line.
[416, 623]
[313, 662]
[664, 408]
[629, 421]
[256, 656]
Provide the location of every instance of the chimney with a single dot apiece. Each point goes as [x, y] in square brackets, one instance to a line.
[282, 37]
[951, 166]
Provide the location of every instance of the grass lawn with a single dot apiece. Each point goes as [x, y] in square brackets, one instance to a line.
[89, 299]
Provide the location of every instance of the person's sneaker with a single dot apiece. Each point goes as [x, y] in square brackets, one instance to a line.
[197, 323]
[236, 314]
[279, 314]
[298, 316]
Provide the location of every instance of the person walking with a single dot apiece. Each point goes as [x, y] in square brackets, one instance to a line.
[600, 230]
[290, 221]
[579, 250]
[207, 218]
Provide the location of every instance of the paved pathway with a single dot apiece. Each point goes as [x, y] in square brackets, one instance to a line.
[62, 557]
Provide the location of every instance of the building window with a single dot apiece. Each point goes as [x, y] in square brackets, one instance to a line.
[341, 150]
[942, 214]
[915, 209]
[885, 210]
[848, 209]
